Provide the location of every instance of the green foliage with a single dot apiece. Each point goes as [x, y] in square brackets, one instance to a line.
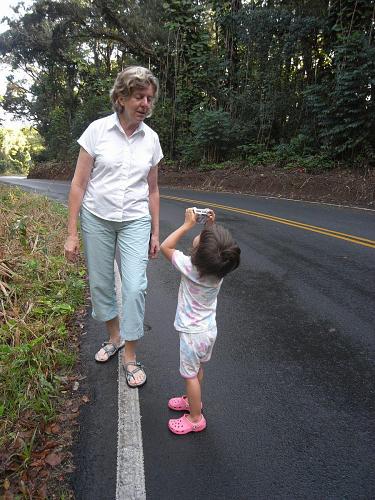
[312, 163]
[280, 70]
[342, 104]
[18, 148]
[58, 134]
[213, 136]
[293, 156]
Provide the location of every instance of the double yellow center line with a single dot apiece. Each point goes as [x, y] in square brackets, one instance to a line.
[358, 240]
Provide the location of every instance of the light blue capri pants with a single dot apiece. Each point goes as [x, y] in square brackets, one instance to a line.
[100, 238]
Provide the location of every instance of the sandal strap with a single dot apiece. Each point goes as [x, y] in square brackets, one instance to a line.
[109, 347]
[130, 374]
[133, 363]
[139, 368]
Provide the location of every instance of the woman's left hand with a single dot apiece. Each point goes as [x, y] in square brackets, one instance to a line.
[154, 247]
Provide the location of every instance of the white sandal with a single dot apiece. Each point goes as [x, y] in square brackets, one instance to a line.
[109, 349]
[130, 373]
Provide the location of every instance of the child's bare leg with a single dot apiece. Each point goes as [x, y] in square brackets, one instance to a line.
[200, 376]
[193, 391]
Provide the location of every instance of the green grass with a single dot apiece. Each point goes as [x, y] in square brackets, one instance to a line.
[39, 294]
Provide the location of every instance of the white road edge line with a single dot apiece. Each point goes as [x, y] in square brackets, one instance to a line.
[130, 482]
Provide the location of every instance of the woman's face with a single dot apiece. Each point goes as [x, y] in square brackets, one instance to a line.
[138, 105]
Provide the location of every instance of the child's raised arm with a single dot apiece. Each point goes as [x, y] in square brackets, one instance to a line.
[169, 244]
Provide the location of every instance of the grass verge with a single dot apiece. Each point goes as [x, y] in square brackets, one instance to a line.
[40, 296]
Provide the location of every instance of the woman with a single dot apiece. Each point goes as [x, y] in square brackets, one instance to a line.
[115, 191]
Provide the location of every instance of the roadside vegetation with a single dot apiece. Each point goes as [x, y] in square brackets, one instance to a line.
[19, 149]
[40, 299]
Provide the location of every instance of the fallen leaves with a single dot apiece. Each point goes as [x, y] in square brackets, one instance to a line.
[54, 459]
[37, 462]
[53, 429]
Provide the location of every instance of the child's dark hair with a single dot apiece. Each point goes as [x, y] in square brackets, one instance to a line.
[217, 253]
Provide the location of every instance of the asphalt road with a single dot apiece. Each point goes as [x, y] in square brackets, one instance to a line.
[289, 394]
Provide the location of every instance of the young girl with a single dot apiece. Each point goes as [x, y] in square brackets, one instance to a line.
[214, 255]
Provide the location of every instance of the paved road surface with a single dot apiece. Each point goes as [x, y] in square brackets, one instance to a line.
[289, 394]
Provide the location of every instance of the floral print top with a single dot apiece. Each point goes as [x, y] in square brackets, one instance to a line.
[197, 297]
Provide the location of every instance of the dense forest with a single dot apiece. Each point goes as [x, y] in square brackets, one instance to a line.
[239, 80]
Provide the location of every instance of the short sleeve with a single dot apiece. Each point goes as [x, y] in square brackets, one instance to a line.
[88, 139]
[181, 262]
[158, 153]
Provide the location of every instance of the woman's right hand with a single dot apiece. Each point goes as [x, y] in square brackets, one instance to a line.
[71, 248]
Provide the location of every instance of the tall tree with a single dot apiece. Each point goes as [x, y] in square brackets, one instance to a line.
[234, 75]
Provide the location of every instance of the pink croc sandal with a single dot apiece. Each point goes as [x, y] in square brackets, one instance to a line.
[184, 426]
[179, 404]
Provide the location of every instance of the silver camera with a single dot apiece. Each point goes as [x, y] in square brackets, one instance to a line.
[202, 214]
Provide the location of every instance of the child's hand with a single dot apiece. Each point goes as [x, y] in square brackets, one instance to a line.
[210, 218]
[190, 217]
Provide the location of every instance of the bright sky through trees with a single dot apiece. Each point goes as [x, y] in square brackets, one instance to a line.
[6, 11]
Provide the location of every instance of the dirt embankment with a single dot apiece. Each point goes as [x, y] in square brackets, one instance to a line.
[339, 186]
[57, 170]
[348, 187]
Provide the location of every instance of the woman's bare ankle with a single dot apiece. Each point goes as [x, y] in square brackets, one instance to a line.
[129, 357]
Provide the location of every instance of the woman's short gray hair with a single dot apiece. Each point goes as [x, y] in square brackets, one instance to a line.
[130, 79]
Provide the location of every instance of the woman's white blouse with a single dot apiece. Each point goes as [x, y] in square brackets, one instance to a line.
[118, 188]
